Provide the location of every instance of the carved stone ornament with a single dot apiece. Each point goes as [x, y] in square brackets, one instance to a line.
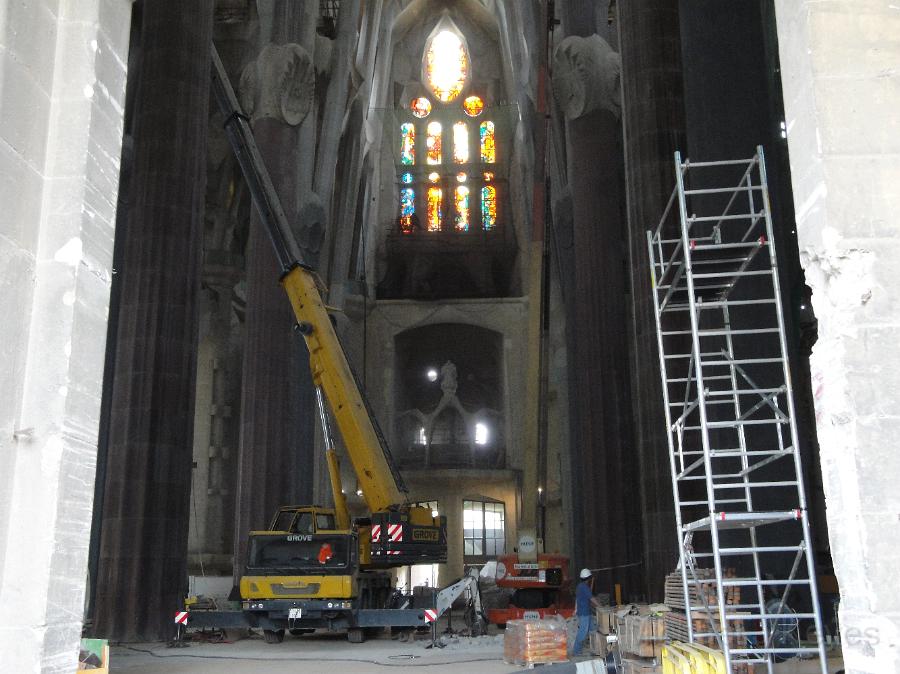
[448, 378]
[586, 76]
[279, 84]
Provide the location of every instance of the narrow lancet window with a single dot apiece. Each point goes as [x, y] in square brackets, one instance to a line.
[407, 144]
[488, 207]
[435, 197]
[433, 142]
[460, 143]
[488, 148]
[461, 223]
[407, 210]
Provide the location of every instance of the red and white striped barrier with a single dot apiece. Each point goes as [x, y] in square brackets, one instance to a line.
[430, 615]
[181, 618]
[376, 535]
[395, 534]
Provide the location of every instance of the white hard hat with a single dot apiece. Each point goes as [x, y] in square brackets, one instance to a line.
[585, 573]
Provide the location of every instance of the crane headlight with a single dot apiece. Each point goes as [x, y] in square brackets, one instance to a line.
[501, 570]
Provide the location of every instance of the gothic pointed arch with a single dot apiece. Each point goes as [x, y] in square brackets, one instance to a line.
[448, 137]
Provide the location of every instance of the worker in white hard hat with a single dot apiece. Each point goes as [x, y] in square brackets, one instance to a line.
[584, 601]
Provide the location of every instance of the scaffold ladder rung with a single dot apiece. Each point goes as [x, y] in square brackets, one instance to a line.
[723, 190]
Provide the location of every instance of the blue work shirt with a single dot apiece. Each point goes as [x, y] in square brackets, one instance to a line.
[583, 598]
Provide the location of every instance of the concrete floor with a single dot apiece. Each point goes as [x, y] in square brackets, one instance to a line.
[332, 654]
[312, 654]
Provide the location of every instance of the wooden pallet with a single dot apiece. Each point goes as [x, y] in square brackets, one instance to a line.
[677, 630]
[674, 593]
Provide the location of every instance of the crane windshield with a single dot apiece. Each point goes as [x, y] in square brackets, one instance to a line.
[289, 554]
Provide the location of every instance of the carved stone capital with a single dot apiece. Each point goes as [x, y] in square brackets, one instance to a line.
[586, 76]
[279, 84]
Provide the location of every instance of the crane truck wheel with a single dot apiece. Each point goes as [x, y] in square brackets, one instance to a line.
[273, 636]
[356, 635]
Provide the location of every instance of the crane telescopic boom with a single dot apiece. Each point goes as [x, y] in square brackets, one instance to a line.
[379, 479]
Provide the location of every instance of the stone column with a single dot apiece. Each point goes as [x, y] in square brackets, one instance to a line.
[61, 99]
[277, 416]
[654, 127]
[841, 94]
[142, 574]
[586, 85]
[339, 237]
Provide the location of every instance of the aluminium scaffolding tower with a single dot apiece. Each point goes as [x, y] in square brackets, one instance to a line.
[744, 536]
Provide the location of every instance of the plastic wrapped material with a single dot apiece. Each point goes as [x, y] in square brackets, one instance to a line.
[529, 642]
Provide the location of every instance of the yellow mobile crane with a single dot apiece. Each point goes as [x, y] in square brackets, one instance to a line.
[314, 568]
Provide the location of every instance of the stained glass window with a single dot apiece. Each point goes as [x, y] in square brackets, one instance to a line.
[407, 209]
[435, 197]
[446, 71]
[488, 206]
[461, 223]
[488, 148]
[446, 66]
[473, 105]
[460, 143]
[407, 144]
[433, 142]
[420, 107]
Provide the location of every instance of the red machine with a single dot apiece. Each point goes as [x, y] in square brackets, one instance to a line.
[541, 588]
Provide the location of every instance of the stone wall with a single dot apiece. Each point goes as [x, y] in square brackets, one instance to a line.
[842, 96]
[61, 114]
[391, 317]
[450, 488]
